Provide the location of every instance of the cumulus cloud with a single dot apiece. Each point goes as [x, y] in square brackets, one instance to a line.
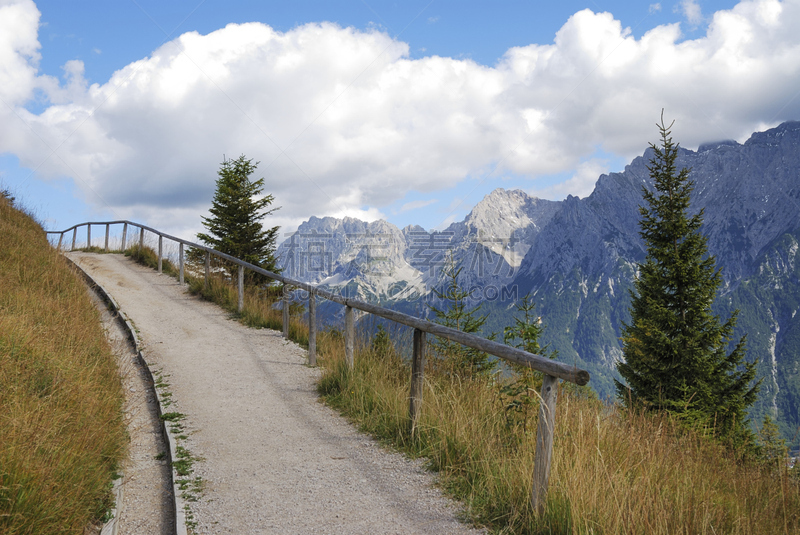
[344, 122]
[415, 205]
[19, 51]
[580, 184]
[691, 10]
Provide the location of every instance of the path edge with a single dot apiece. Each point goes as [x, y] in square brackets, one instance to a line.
[110, 528]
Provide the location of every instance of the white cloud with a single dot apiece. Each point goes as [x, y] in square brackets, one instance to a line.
[581, 184]
[691, 10]
[19, 52]
[345, 123]
[415, 205]
[655, 8]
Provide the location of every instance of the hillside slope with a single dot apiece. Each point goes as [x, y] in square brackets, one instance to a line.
[61, 431]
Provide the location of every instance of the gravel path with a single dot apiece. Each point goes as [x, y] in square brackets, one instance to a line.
[274, 460]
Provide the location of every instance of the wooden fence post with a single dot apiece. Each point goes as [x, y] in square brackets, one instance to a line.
[417, 377]
[124, 235]
[544, 443]
[107, 231]
[60, 238]
[160, 251]
[285, 309]
[208, 268]
[312, 329]
[349, 336]
[240, 288]
[74, 237]
[141, 239]
[180, 261]
[88, 236]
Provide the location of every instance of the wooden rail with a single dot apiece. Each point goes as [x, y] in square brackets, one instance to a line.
[551, 369]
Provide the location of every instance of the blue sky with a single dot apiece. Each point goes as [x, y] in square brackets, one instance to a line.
[106, 35]
[408, 111]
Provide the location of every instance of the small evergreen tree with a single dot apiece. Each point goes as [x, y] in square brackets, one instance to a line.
[235, 225]
[459, 359]
[381, 342]
[772, 447]
[525, 332]
[518, 396]
[675, 348]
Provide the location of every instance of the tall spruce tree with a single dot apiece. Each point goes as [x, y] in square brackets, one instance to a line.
[235, 225]
[675, 349]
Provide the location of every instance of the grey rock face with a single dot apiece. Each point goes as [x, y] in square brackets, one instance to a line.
[336, 252]
[490, 243]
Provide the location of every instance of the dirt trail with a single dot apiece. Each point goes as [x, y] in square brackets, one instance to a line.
[274, 460]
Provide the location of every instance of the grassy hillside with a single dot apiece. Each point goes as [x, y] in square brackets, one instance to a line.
[61, 430]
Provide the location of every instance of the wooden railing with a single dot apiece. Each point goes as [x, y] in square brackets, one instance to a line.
[551, 369]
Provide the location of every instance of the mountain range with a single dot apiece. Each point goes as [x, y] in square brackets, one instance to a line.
[578, 259]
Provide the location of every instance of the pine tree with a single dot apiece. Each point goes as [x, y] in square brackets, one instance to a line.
[458, 359]
[675, 349]
[518, 396]
[235, 225]
[381, 343]
[526, 330]
[772, 447]
[524, 334]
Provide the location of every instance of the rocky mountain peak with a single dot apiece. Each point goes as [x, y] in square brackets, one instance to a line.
[504, 211]
[413, 229]
[785, 132]
[500, 212]
[507, 222]
[717, 144]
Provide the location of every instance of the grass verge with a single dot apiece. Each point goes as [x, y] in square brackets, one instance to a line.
[61, 431]
[190, 486]
[612, 472]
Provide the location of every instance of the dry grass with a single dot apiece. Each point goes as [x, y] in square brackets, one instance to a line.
[61, 429]
[145, 256]
[260, 310]
[613, 472]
